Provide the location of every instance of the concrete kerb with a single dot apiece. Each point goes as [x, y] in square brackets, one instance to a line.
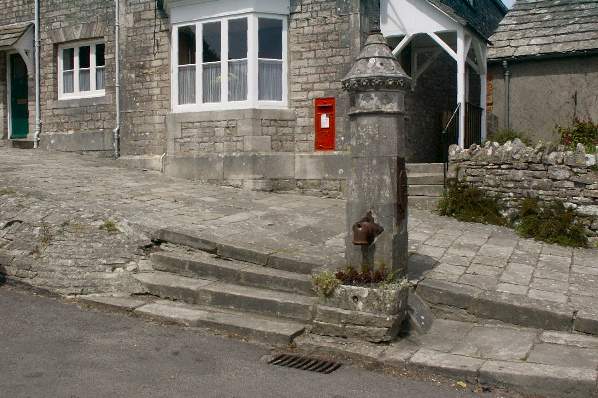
[530, 378]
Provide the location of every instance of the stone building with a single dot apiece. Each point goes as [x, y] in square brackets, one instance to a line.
[238, 92]
[543, 67]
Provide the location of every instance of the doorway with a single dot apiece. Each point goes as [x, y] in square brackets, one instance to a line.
[18, 97]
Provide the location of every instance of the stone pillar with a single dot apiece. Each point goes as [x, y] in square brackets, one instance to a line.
[377, 180]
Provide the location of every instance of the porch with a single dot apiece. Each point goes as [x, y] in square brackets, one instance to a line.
[446, 59]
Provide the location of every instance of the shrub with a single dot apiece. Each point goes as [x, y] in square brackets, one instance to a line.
[583, 132]
[467, 203]
[552, 223]
[350, 276]
[325, 283]
[110, 227]
[503, 136]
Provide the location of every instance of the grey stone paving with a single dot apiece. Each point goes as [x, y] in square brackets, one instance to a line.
[486, 257]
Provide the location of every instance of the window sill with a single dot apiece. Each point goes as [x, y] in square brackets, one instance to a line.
[74, 102]
[233, 114]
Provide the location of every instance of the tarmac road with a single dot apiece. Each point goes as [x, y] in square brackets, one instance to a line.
[53, 348]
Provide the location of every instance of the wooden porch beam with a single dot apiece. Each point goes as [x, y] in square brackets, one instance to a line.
[402, 44]
[443, 44]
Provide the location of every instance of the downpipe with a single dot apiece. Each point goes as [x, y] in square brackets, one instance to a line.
[116, 131]
[505, 66]
[38, 122]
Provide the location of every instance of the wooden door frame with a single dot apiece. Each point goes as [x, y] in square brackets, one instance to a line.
[9, 92]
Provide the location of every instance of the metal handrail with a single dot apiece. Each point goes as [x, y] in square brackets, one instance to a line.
[445, 146]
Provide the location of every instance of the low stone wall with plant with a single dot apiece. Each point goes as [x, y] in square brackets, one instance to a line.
[549, 173]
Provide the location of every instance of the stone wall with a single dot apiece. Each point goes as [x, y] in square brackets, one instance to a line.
[544, 93]
[68, 124]
[514, 171]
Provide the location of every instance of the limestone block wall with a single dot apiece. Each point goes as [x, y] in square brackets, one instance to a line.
[71, 124]
[514, 171]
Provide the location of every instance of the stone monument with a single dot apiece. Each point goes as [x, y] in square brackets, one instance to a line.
[377, 181]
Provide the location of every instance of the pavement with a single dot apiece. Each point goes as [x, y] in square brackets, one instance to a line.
[52, 348]
[486, 271]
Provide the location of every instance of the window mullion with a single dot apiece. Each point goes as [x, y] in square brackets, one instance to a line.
[76, 70]
[285, 67]
[224, 60]
[199, 63]
[92, 67]
[252, 69]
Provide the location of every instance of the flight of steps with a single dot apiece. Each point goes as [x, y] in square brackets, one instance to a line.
[426, 184]
[198, 288]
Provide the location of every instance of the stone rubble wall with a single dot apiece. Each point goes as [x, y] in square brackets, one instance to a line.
[514, 171]
[48, 245]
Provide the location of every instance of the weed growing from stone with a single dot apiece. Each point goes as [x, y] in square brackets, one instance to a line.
[325, 283]
[470, 204]
[110, 227]
[583, 132]
[350, 276]
[7, 191]
[551, 223]
[503, 136]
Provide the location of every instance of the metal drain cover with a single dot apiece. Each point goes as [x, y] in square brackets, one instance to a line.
[305, 363]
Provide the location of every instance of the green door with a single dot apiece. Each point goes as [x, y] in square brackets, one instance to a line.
[19, 109]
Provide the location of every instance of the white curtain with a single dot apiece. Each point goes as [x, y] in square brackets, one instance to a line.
[270, 80]
[68, 82]
[100, 78]
[186, 84]
[237, 80]
[84, 80]
[211, 82]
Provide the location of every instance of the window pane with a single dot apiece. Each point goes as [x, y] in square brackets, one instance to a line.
[270, 80]
[187, 85]
[84, 82]
[211, 83]
[237, 38]
[270, 38]
[100, 54]
[68, 82]
[211, 42]
[237, 80]
[100, 78]
[187, 45]
[68, 59]
[84, 53]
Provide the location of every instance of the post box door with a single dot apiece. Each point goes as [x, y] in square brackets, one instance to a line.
[325, 124]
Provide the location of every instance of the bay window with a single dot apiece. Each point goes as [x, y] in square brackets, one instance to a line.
[81, 70]
[241, 63]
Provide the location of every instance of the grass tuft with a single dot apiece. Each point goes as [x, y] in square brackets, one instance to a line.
[470, 204]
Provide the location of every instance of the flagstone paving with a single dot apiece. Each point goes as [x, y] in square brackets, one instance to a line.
[470, 257]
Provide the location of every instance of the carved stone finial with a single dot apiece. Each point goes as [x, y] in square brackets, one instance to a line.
[376, 68]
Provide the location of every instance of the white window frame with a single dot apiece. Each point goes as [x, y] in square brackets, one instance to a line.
[76, 94]
[252, 65]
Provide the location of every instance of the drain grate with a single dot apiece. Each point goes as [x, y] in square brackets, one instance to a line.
[305, 363]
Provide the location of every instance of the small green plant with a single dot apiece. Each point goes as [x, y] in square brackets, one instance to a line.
[552, 223]
[325, 283]
[503, 136]
[45, 234]
[350, 276]
[110, 226]
[7, 191]
[470, 204]
[583, 132]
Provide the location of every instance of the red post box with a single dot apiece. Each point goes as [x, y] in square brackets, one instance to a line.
[325, 124]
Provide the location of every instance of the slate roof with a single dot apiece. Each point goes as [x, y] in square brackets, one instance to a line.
[10, 34]
[535, 28]
[483, 18]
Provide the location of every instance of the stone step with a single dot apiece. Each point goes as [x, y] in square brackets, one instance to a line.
[423, 202]
[425, 179]
[21, 144]
[254, 327]
[208, 266]
[424, 168]
[426, 190]
[225, 295]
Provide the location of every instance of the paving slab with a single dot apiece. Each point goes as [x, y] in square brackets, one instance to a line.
[448, 364]
[547, 380]
[569, 356]
[113, 303]
[492, 342]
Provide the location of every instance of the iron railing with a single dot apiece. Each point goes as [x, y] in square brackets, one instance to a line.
[473, 125]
